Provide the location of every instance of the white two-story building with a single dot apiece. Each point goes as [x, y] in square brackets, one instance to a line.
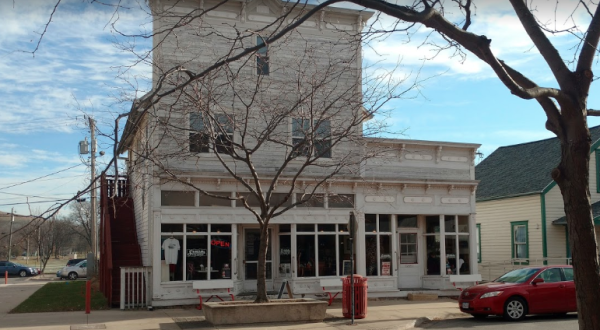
[414, 200]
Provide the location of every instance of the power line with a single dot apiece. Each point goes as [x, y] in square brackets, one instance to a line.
[38, 202]
[41, 177]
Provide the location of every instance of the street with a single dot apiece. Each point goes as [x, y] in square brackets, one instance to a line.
[535, 322]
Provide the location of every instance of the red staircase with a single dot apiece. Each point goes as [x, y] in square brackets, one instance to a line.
[118, 236]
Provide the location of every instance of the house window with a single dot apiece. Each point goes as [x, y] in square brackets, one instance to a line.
[201, 252]
[478, 238]
[520, 242]
[378, 244]
[262, 57]
[219, 136]
[303, 133]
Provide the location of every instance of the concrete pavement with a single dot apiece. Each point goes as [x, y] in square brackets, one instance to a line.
[381, 314]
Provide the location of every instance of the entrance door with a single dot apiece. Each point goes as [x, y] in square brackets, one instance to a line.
[409, 266]
[251, 245]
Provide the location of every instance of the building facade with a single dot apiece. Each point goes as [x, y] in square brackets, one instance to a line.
[520, 211]
[414, 200]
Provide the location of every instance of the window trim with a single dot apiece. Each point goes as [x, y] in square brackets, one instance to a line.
[310, 128]
[513, 225]
[478, 229]
[262, 55]
[210, 148]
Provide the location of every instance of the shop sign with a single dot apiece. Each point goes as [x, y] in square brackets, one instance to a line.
[220, 243]
[385, 268]
[196, 253]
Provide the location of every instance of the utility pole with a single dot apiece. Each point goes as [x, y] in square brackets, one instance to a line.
[93, 201]
[12, 219]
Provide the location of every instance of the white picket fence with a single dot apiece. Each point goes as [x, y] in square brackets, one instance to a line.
[135, 287]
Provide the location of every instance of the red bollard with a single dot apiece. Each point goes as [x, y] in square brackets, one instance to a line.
[6, 277]
[88, 296]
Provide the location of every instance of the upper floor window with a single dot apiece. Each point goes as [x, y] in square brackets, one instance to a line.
[301, 133]
[262, 57]
[203, 139]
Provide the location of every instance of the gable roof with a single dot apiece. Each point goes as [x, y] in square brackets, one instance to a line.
[520, 169]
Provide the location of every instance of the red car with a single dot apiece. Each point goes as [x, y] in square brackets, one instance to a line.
[533, 290]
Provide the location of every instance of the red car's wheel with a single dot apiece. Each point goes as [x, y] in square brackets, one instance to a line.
[515, 309]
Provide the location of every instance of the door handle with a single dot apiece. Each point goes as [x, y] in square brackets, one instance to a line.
[562, 286]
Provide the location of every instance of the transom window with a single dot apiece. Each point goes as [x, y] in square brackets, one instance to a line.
[205, 137]
[318, 135]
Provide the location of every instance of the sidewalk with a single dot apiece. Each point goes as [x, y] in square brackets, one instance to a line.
[384, 314]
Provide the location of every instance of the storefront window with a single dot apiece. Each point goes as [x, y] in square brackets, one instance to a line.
[326, 264]
[285, 255]
[220, 257]
[306, 255]
[197, 265]
[457, 244]
[345, 252]
[432, 249]
[371, 254]
[385, 255]
[171, 258]
[378, 244]
[202, 252]
[451, 255]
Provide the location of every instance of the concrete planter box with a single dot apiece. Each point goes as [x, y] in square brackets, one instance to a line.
[281, 310]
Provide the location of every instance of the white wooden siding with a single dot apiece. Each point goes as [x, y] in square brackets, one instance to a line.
[495, 218]
[555, 234]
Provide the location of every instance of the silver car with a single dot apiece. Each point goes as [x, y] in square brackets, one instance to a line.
[75, 271]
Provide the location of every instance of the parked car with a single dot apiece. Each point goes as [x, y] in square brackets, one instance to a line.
[73, 262]
[16, 269]
[74, 272]
[532, 290]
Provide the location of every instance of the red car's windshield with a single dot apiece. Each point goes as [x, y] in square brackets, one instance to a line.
[517, 275]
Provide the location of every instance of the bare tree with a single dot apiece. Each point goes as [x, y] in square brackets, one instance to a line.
[79, 220]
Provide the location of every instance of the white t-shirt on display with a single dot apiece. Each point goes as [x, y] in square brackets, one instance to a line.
[171, 247]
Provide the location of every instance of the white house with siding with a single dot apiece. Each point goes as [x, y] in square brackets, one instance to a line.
[520, 214]
[415, 203]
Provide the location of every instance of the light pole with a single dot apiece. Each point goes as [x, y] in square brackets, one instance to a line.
[12, 219]
[93, 201]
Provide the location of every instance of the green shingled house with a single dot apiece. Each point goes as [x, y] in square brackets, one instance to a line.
[520, 215]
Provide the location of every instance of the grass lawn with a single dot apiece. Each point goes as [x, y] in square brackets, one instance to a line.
[61, 297]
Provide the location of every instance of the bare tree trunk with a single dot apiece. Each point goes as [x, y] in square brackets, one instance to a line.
[261, 280]
[572, 176]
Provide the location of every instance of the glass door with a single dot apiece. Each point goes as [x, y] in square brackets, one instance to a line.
[409, 267]
[251, 245]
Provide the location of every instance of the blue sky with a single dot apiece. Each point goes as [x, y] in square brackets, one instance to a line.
[78, 70]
